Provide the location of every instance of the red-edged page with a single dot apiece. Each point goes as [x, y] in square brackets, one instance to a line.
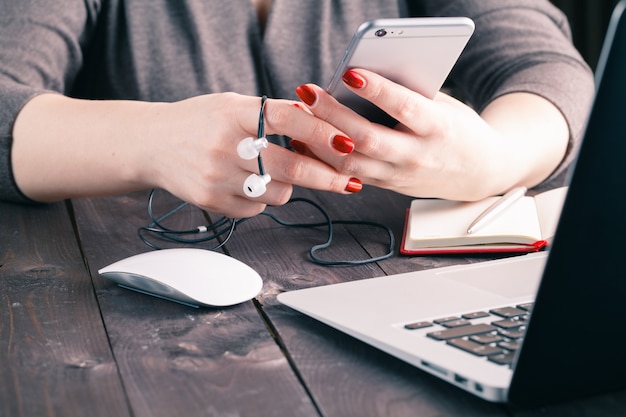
[468, 249]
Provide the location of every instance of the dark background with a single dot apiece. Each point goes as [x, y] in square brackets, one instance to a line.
[589, 20]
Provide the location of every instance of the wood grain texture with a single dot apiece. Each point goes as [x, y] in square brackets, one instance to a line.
[64, 351]
[209, 362]
[54, 353]
[347, 377]
[367, 382]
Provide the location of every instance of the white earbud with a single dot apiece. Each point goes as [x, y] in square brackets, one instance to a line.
[250, 147]
[255, 185]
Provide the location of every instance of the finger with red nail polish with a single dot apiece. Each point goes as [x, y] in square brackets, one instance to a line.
[353, 79]
[306, 94]
[343, 144]
[354, 185]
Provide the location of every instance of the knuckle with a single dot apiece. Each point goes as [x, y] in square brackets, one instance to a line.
[406, 108]
[370, 142]
[319, 130]
[297, 172]
[348, 166]
[230, 95]
[338, 183]
[326, 107]
[295, 169]
[229, 100]
[276, 116]
[375, 91]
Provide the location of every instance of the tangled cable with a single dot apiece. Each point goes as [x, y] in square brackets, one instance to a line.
[223, 230]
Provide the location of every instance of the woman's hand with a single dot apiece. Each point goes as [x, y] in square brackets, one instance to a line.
[65, 148]
[200, 138]
[442, 148]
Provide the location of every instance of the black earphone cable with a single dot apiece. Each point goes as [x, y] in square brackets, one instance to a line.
[261, 132]
[329, 223]
[225, 227]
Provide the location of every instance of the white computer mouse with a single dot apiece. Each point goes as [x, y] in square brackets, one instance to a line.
[195, 277]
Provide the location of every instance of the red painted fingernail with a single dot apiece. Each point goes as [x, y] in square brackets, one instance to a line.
[298, 146]
[353, 79]
[306, 94]
[343, 144]
[354, 185]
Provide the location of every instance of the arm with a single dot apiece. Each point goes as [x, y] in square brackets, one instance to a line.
[54, 147]
[522, 46]
[67, 148]
[443, 148]
[535, 135]
[41, 51]
[527, 94]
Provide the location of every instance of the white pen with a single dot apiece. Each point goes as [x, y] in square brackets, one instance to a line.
[496, 208]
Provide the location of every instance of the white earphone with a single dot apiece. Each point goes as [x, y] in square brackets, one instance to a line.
[256, 185]
[249, 148]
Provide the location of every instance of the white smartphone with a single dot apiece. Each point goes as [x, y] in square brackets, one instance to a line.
[417, 53]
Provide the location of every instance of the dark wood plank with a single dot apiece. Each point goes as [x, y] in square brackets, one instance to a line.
[345, 377]
[388, 208]
[384, 385]
[176, 360]
[54, 353]
[350, 378]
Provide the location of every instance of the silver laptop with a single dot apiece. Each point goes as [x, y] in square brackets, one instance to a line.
[530, 329]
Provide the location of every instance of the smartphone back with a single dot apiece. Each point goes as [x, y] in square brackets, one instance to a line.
[417, 53]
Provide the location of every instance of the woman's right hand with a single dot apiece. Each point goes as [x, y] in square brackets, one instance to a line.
[195, 152]
[66, 148]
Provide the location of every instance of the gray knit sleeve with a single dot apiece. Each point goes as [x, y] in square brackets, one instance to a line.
[521, 46]
[40, 51]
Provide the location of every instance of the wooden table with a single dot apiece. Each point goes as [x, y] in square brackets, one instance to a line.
[74, 344]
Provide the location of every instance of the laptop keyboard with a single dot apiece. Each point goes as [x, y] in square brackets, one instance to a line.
[495, 334]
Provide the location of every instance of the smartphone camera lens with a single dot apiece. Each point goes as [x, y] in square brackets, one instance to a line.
[380, 33]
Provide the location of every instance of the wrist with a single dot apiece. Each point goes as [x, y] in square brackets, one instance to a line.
[534, 137]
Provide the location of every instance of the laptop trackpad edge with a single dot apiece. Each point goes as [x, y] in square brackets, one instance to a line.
[516, 277]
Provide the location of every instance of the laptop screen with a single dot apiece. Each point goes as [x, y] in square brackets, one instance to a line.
[565, 355]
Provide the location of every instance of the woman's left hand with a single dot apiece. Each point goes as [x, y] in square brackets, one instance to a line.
[441, 148]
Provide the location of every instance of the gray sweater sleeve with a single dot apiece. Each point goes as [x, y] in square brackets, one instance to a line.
[522, 46]
[50, 46]
[12, 97]
[40, 51]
